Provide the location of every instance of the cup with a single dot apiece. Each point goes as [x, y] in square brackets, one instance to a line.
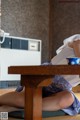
[73, 61]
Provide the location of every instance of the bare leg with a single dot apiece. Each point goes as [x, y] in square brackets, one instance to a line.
[5, 108]
[56, 102]
[15, 99]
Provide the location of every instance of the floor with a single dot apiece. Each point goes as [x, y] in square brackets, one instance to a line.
[14, 119]
[64, 118]
[56, 118]
[2, 91]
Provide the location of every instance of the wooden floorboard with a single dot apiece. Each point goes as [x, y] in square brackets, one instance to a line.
[77, 117]
[3, 91]
[13, 119]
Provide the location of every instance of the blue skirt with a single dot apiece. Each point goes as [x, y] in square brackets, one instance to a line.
[60, 84]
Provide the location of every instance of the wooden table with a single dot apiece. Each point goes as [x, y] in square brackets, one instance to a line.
[31, 77]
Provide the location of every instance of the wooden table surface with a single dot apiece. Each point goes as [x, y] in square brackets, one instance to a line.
[45, 70]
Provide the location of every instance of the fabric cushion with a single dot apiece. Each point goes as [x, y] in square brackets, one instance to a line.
[20, 113]
[45, 114]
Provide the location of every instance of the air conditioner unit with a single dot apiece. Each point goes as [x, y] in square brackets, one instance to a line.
[17, 51]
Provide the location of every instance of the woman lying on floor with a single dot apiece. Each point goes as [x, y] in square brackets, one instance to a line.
[57, 95]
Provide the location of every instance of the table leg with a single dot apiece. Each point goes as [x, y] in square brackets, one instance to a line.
[28, 104]
[33, 103]
[37, 104]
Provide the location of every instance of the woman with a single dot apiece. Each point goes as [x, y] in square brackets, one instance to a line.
[60, 91]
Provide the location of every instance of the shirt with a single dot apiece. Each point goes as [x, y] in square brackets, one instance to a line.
[60, 59]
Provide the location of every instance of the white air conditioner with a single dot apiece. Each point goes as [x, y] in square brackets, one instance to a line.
[18, 51]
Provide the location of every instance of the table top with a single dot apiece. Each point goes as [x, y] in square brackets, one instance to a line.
[45, 70]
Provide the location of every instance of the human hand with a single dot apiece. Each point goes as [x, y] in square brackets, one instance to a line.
[76, 47]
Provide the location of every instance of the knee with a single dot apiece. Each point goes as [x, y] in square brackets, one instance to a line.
[66, 99]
